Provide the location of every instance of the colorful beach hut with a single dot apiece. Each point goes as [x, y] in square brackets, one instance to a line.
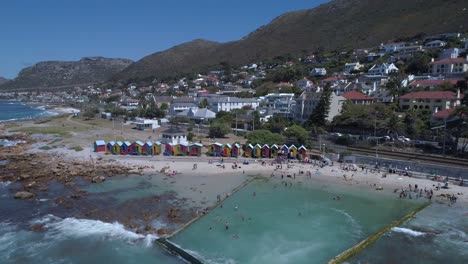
[148, 148]
[182, 149]
[99, 146]
[248, 151]
[156, 148]
[302, 152]
[284, 150]
[235, 150]
[136, 148]
[125, 148]
[292, 152]
[110, 147]
[215, 149]
[118, 147]
[227, 150]
[265, 151]
[169, 149]
[257, 151]
[273, 151]
[195, 149]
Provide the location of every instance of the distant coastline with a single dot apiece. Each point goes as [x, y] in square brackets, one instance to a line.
[13, 111]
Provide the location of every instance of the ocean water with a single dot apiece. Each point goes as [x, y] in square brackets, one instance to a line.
[438, 234]
[13, 111]
[279, 224]
[289, 224]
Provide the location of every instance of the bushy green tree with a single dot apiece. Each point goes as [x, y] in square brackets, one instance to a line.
[219, 129]
[264, 137]
[297, 133]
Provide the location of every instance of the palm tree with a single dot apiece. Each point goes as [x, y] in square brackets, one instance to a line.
[394, 126]
[460, 116]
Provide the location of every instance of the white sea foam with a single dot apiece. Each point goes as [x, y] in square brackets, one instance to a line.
[407, 231]
[59, 229]
[4, 184]
[356, 226]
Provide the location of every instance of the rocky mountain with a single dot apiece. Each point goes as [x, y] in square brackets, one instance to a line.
[3, 80]
[339, 24]
[67, 73]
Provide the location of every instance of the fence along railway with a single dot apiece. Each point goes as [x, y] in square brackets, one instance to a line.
[441, 160]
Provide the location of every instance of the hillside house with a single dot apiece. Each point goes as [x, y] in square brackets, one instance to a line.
[318, 72]
[435, 44]
[352, 67]
[382, 69]
[358, 98]
[449, 66]
[227, 103]
[307, 101]
[304, 83]
[431, 100]
[392, 47]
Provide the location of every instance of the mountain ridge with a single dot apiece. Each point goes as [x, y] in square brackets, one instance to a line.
[339, 24]
[87, 70]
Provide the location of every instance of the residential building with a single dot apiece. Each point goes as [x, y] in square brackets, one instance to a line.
[142, 123]
[431, 83]
[318, 72]
[176, 108]
[449, 67]
[351, 67]
[227, 103]
[197, 113]
[304, 83]
[382, 69]
[451, 53]
[307, 101]
[358, 98]
[431, 100]
[409, 51]
[280, 103]
[435, 44]
[174, 136]
[392, 47]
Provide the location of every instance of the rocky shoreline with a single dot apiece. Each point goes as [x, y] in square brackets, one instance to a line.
[32, 175]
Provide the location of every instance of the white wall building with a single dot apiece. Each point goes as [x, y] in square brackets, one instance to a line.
[349, 67]
[382, 69]
[229, 103]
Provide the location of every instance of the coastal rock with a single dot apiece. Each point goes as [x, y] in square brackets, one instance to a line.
[98, 179]
[24, 176]
[162, 231]
[23, 195]
[30, 185]
[38, 228]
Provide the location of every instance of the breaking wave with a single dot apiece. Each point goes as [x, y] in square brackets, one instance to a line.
[59, 229]
[407, 231]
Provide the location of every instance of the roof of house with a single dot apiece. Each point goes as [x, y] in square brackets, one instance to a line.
[443, 113]
[450, 60]
[431, 95]
[433, 82]
[100, 142]
[354, 95]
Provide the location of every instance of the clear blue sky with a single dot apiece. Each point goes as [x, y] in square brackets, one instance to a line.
[39, 30]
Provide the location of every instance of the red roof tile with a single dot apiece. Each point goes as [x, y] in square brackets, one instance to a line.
[431, 95]
[443, 113]
[433, 82]
[450, 60]
[354, 95]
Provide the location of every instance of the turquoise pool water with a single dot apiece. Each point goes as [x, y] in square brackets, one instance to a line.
[269, 222]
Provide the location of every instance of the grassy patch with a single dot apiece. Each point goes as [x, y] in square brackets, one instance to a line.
[46, 147]
[62, 131]
[76, 148]
[43, 121]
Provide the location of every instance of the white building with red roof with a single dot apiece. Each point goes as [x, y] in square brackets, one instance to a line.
[432, 83]
[449, 66]
[358, 98]
[434, 101]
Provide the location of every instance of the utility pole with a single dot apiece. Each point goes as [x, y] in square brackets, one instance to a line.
[236, 122]
[445, 136]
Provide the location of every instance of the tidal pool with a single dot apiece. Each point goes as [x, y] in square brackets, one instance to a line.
[269, 222]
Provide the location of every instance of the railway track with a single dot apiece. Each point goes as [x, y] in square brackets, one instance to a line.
[413, 157]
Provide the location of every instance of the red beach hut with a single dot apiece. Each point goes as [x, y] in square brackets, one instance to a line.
[302, 152]
[227, 150]
[195, 149]
[265, 151]
[99, 146]
[168, 149]
[235, 150]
